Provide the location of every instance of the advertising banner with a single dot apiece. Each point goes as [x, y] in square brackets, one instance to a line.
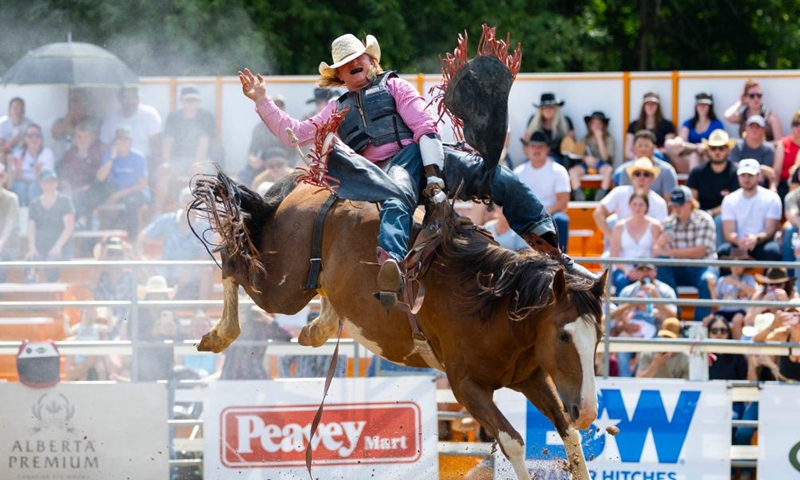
[84, 431]
[370, 428]
[646, 429]
[779, 431]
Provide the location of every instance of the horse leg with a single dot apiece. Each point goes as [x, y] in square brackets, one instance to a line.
[543, 396]
[323, 327]
[478, 401]
[227, 328]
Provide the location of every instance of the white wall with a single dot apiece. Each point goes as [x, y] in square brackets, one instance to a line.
[583, 93]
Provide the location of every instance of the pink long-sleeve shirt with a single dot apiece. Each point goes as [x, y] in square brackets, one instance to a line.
[410, 107]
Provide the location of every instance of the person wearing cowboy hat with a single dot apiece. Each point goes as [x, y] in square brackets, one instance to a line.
[321, 98]
[396, 131]
[754, 145]
[751, 216]
[644, 144]
[664, 364]
[711, 181]
[688, 233]
[550, 120]
[598, 153]
[686, 149]
[642, 172]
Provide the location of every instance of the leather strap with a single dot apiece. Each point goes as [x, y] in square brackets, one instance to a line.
[318, 416]
[316, 245]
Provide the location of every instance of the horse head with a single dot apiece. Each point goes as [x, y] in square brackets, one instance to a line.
[553, 319]
[567, 342]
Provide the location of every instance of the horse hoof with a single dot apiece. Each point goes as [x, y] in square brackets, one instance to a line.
[307, 339]
[388, 299]
[212, 342]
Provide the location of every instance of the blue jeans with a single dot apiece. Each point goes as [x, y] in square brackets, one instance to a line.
[787, 252]
[562, 225]
[720, 233]
[692, 277]
[624, 359]
[768, 251]
[26, 191]
[525, 213]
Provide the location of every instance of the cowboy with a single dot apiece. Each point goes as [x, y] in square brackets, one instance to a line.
[387, 125]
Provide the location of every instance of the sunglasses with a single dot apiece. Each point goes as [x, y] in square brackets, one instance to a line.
[717, 148]
[642, 174]
[796, 124]
[718, 331]
[755, 95]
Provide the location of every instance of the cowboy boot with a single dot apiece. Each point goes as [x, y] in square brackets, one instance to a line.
[390, 280]
[547, 243]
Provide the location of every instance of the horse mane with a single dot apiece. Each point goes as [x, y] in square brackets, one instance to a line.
[488, 274]
[238, 215]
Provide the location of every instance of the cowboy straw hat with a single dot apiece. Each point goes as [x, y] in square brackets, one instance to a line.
[155, 284]
[347, 48]
[670, 328]
[644, 164]
[719, 138]
[760, 323]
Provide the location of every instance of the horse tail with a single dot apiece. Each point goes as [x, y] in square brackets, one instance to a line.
[237, 215]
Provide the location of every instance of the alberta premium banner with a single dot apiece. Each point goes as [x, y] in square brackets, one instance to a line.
[83, 432]
[382, 428]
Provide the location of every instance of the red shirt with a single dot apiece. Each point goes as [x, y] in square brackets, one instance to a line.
[790, 150]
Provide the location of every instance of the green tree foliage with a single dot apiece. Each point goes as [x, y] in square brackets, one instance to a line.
[218, 37]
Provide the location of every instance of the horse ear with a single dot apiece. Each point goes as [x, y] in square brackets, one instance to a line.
[559, 284]
[599, 287]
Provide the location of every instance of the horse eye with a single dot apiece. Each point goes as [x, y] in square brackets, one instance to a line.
[564, 337]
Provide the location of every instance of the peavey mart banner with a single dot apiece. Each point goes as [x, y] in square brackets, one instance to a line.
[668, 430]
[371, 428]
[84, 431]
[779, 431]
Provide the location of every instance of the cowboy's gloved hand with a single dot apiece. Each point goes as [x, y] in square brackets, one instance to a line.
[430, 146]
[435, 189]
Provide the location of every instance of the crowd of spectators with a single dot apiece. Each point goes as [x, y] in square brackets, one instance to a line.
[120, 172]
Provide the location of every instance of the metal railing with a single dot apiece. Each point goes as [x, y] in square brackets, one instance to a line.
[742, 457]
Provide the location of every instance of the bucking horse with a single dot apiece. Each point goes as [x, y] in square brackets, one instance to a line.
[486, 316]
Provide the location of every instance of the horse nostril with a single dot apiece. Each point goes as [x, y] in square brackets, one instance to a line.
[574, 412]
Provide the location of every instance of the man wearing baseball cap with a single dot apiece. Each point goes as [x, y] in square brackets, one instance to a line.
[750, 217]
[753, 144]
[688, 233]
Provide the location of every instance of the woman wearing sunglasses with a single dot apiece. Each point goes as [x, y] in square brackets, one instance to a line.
[752, 103]
[27, 162]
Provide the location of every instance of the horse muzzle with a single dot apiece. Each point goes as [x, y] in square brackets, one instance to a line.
[581, 416]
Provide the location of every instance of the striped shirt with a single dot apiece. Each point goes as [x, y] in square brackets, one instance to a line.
[699, 230]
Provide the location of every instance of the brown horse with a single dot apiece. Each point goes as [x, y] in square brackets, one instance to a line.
[494, 318]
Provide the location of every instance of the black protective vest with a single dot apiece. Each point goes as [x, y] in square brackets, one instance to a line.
[372, 117]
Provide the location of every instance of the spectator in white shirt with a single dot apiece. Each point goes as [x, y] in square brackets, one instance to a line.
[548, 180]
[642, 172]
[750, 217]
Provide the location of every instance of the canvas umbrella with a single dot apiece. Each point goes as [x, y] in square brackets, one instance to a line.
[71, 63]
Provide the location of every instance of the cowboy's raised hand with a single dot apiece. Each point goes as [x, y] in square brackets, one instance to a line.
[254, 87]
